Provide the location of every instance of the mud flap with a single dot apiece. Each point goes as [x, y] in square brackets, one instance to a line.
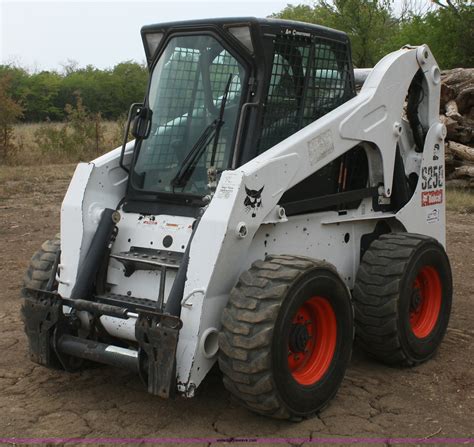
[157, 336]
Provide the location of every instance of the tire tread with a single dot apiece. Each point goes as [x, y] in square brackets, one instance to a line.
[250, 331]
[376, 296]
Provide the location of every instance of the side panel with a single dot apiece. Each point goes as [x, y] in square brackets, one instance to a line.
[425, 213]
[217, 253]
[315, 236]
[72, 228]
[96, 185]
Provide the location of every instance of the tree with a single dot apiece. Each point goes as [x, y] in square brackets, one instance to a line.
[448, 31]
[44, 95]
[374, 28]
[370, 24]
[10, 112]
[40, 97]
[131, 82]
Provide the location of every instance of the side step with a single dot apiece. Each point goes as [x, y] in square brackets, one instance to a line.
[139, 258]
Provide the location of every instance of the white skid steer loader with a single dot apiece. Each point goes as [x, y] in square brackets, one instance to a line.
[264, 214]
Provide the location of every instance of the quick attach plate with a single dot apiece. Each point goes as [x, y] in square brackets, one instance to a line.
[45, 322]
[157, 335]
[41, 312]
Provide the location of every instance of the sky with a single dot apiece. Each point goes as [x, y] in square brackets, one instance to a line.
[41, 35]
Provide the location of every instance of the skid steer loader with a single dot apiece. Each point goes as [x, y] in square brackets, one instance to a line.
[264, 214]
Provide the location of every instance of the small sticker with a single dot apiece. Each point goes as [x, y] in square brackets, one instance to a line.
[436, 152]
[294, 32]
[225, 188]
[147, 220]
[320, 147]
[432, 216]
[429, 198]
[225, 191]
[171, 227]
[253, 200]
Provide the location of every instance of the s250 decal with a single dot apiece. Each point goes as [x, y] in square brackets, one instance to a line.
[432, 177]
[432, 181]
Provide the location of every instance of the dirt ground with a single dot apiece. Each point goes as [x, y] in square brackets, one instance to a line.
[434, 400]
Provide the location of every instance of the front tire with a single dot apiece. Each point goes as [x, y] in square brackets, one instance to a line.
[402, 298]
[286, 336]
[38, 276]
[41, 265]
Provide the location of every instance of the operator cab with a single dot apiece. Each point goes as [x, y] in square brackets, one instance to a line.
[220, 93]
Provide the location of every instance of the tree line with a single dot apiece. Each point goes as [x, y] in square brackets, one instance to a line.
[45, 95]
[376, 28]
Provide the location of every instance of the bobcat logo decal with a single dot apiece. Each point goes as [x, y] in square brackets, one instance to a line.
[253, 201]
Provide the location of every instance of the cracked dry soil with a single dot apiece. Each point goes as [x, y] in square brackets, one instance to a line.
[433, 400]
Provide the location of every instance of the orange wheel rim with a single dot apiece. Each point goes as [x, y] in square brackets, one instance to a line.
[425, 302]
[312, 340]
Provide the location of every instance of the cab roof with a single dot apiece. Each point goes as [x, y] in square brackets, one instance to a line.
[267, 26]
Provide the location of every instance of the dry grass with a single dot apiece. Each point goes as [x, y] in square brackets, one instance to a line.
[33, 181]
[20, 180]
[27, 152]
[460, 200]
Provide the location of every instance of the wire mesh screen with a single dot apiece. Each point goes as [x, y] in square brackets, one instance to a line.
[179, 95]
[186, 93]
[224, 68]
[329, 81]
[182, 111]
[285, 93]
[310, 77]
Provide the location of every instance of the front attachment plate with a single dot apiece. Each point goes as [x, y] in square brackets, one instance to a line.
[41, 315]
[157, 335]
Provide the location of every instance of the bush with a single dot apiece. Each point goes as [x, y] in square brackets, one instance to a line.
[79, 138]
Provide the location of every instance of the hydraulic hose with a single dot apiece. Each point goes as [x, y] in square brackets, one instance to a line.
[415, 97]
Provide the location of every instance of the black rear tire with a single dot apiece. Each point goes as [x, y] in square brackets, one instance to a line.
[273, 363]
[402, 298]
